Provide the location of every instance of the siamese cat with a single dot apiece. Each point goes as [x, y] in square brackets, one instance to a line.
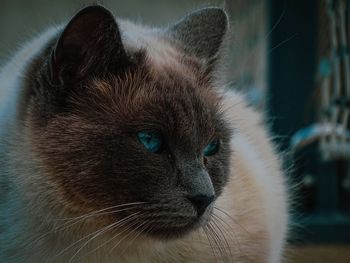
[119, 144]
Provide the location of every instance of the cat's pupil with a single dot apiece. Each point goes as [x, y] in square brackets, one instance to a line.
[212, 148]
[151, 140]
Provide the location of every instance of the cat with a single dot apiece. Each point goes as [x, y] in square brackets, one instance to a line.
[119, 145]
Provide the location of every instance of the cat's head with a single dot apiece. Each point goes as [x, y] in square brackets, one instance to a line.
[126, 120]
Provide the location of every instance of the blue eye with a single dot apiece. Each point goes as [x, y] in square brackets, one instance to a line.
[212, 148]
[151, 140]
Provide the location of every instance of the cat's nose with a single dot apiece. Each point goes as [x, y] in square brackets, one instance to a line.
[201, 202]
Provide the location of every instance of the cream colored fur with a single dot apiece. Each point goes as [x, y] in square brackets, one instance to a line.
[255, 197]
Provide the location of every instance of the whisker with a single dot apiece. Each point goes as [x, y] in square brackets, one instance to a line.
[98, 211]
[241, 80]
[230, 217]
[70, 224]
[283, 42]
[216, 240]
[94, 234]
[103, 230]
[145, 226]
[217, 225]
[210, 242]
[229, 229]
[232, 232]
[123, 238]
[276, 24]
[223, 242]
[199, 235]
[118, 234]
[83, 217]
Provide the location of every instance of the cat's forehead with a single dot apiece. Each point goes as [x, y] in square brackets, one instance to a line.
[146, 89]
[165, 98]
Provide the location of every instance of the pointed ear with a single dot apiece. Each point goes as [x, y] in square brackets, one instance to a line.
[89, 45]
[201, 33]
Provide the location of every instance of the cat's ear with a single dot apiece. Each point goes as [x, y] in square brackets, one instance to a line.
[89, 45]
[201, 33]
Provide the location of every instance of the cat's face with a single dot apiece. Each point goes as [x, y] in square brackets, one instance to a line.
[146, 145]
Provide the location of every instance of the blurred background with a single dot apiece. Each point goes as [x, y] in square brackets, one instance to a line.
[291, 57]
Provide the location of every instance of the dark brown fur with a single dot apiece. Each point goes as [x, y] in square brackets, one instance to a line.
[91, 151]
[71, 148]
[82, 127]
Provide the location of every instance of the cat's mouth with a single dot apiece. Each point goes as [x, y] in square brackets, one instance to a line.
[162, 223]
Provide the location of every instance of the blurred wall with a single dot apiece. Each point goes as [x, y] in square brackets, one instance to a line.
[21, 19]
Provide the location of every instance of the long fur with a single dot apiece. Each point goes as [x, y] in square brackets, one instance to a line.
[250, 217]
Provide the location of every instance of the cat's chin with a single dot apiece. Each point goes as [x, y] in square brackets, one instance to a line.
[170, 233]
[176, 232]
